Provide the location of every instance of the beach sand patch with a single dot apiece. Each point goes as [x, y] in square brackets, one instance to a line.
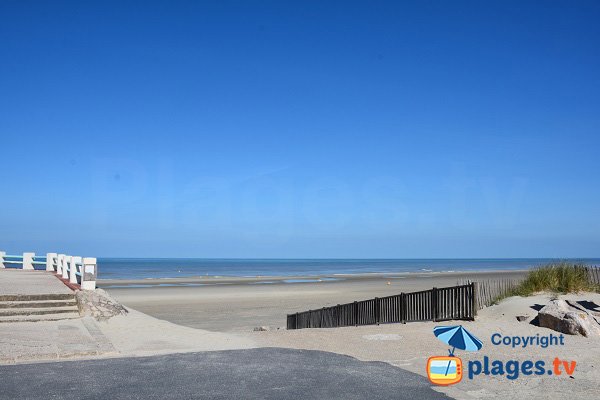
[383, 336]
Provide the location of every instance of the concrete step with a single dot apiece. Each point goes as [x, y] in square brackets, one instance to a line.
[37, 311]
[37, 304]
[37, 297]
[38, 318]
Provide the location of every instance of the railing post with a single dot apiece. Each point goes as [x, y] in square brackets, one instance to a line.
[66, 263]
[2, 254]
[73, 269]
[89, 272]
[60, 258]
[50, 261]
[28, 260]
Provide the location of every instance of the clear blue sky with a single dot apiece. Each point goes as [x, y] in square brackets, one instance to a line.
[300, 129]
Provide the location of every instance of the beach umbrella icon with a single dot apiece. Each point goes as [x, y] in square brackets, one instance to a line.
[457, 337]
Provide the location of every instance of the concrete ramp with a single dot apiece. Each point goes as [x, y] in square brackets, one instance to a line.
[27, 282]
[32, 296]
[39, 320]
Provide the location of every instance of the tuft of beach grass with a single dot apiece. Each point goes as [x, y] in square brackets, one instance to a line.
[557, 277]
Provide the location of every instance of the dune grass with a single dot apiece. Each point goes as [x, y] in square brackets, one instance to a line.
[558, 277]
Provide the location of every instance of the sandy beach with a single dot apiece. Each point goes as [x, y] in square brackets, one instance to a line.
[237, 306]
[240, 304]
[408, 346]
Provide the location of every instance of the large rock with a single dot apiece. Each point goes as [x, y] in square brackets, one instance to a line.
[98, 304]
[569, 317]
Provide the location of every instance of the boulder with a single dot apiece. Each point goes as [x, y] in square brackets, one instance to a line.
[570, 318]
[98, 304]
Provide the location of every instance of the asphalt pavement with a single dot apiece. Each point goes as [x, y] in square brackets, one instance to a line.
[266, 373]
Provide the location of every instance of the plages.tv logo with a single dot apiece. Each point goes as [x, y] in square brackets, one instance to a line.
[448, 370]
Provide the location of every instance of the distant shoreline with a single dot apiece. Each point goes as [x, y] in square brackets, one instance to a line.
[191, 281]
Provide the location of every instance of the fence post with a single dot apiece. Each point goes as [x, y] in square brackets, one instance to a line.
[404, 311]
[89, 273]
[474, 303]
[50, 261]
[356, 313]
[66, 263]
[377, 310]
[296, 322]
[2, 254]
[28, 260]
[434, 304]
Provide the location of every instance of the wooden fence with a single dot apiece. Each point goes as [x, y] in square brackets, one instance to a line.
[489, 291]
[593, 274]
[437, 304]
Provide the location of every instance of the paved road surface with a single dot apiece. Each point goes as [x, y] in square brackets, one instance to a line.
[268, 373]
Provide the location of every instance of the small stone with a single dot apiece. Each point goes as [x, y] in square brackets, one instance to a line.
[261, 329]
[522, 318]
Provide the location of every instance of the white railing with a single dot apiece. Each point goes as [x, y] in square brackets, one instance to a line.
[77, 270]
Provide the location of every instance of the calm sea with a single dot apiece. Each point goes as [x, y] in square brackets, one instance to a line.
[142, 268]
